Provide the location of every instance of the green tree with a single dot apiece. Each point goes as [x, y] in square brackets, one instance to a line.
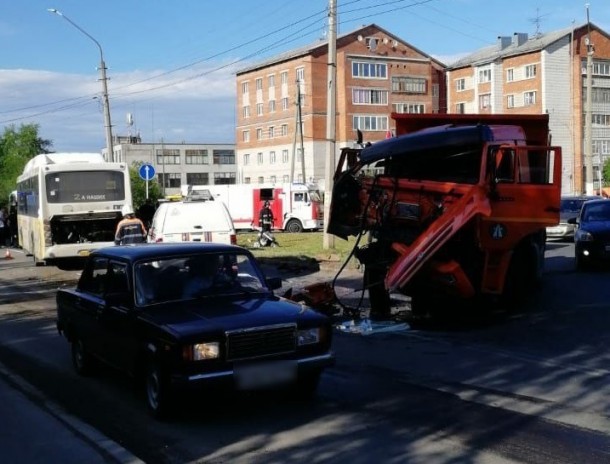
[606, 173]
[138, 187]
[17, 147]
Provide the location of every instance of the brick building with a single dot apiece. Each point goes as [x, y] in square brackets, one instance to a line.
[377, 73]
[545, 73]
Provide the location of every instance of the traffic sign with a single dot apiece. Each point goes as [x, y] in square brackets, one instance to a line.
[147, 171]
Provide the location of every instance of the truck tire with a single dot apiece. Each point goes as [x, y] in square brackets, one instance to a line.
[294, 226]
[379, 297]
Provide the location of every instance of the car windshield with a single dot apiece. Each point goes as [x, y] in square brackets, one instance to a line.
[196, 276]
[571, 205]
[597, 211]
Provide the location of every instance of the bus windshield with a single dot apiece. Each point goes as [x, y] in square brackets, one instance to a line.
[85, 186]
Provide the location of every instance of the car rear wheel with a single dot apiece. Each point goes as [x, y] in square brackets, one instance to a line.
[158, 393]
[81, 359]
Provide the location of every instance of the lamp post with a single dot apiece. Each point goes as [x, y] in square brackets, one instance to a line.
[103, 78]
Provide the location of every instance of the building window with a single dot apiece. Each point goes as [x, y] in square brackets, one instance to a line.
[273, 179]
[259, 158]
[168, 156]
[271, 131]
[300, 74]
[510, 75]
[272, 158]
[271, 80]
[284, 77]
[484, 101]
[259, 109]
[272, 106]
[285, 103]
[261, 180]
[369, 97]
[600, 68]
[530, 71]
[285, 178]
[169, 180]
[510, 101]
[600, 120]
[245, 136]
[284, 156]
[224, 178]
[195, 157]
[224, 156]
[244, 88]
[529, 98]
[409, 108]
[370, 123]
[259, 134]
[197, 178]
[484, 75]
[406, 84]
[460, 108]
[246, 159]
[460, 84]
[246, 180]
[284, 130]
[259, 83]
[368, 70]
[245, 111]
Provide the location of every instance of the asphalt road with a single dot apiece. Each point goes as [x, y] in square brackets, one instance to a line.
[529, 385]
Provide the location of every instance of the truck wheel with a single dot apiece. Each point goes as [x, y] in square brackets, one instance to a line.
[81, 359]
[294, 226]
[379, 297]
[158, 392]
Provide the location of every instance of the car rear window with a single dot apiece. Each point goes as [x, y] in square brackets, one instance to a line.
[185, 217]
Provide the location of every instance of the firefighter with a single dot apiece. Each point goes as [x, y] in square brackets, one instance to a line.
[130, 230]
[265, 218]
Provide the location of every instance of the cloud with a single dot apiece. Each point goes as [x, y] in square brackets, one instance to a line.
[196, 105]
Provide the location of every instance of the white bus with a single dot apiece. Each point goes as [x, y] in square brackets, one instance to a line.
[68, 204]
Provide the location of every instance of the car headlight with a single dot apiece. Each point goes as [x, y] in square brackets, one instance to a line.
[308, 336]
[201, 351]
[583, 236]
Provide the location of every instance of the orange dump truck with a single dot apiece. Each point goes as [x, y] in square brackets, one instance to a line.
[454, 209]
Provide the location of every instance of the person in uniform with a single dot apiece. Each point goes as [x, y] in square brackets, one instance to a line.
[130, 230]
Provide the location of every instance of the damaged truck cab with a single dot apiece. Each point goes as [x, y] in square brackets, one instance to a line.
[454, 208]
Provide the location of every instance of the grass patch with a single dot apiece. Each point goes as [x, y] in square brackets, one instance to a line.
[306, 244]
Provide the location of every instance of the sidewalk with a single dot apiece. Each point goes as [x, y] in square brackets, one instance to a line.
[34, 430]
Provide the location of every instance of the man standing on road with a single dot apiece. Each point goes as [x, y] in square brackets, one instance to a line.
[130, 230]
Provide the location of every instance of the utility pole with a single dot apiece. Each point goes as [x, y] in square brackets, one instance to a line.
[589, 115]
[103, 78]
[328, 239]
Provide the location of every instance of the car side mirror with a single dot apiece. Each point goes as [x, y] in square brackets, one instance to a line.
[273, 282]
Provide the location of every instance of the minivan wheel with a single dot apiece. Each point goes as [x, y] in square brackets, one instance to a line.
[81, 359]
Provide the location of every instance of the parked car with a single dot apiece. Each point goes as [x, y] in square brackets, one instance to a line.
[592, 235]
[194, 220]
[569, 208]
[191, 315]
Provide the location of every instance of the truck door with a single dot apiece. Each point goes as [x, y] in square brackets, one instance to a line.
[525, 189]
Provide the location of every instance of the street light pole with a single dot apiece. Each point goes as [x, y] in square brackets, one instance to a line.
[104, 79]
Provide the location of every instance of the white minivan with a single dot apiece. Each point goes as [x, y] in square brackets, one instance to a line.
[192, 221]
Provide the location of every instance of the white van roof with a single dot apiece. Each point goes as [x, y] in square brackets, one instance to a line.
[184, 216]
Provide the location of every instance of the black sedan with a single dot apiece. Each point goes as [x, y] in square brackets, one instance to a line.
[191, 315]
[592, 235]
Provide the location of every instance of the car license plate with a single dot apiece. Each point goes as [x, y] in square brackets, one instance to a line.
[264, 374]
[607, 247]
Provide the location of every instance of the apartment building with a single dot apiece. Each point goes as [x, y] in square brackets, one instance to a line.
[377, 74]
[543, 74]
[180, 164]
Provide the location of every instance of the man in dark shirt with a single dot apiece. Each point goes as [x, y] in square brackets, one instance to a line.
[130, 230]
[265, 218]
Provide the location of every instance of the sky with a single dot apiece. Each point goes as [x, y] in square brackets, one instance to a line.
[171, 64]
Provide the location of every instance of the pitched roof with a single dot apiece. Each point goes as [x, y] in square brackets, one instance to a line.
[494, 52]
[308, 49]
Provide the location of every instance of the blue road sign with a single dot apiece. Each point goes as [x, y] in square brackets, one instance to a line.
[147, 171]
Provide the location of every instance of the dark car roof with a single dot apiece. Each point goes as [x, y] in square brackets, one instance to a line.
[148, 250]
